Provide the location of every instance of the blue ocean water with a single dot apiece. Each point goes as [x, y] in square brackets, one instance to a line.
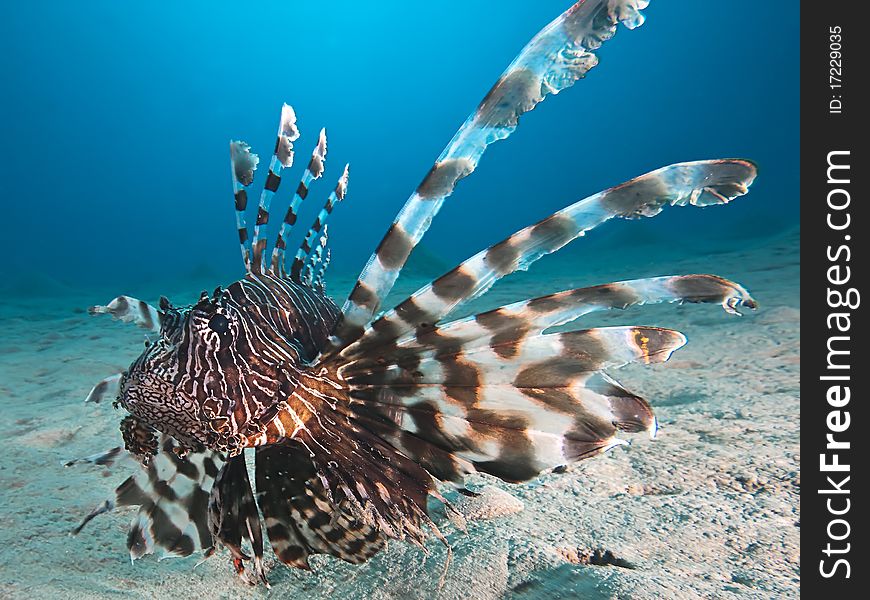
[118, 117]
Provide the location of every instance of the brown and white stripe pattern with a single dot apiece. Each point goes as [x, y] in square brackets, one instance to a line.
[172, 494]
[700, 183]
[514, 408]
[243, 164]
[301, 517]
[282, 159]
[233, 517]
[336, 196]
[352, 431]
[553, 60]
[314, 170]
[130, 310]
[405, 330]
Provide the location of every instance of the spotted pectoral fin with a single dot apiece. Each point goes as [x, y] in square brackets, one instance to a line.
[131, 310]
[172, 494]
[302, 517]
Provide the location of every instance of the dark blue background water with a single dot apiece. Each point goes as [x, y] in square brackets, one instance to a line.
[116, 118]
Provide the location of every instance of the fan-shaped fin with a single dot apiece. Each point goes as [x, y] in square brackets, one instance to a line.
[511, 432]
[172, 494]
[511, 409]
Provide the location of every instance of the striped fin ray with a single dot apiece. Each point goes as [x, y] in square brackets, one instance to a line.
[314, 170]
[301, 517]
[512, 433]
[397, 338]
[512, 409]
[172, 495]
[243, 164]
[360, 470]
[282, 159]
[131, 310]
[584, 350]
[315, 258]
[305, 249]
[701, 183]
[553, 60]
[108, 458]
[319, 283]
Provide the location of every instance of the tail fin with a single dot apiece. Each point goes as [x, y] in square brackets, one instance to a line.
[336, 196]
[282, 159]
[553, 60]
[313, 171]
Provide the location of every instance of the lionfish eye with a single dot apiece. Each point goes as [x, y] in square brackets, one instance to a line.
[219, 324]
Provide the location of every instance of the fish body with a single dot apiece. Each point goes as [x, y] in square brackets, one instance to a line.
[355, 415]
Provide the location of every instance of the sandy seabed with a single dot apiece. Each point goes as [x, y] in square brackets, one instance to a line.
[708, 509]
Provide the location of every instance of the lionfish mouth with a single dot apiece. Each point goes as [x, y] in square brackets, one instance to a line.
[355, 416]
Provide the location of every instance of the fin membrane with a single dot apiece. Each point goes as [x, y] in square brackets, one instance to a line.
[172, 494]
[302, 517]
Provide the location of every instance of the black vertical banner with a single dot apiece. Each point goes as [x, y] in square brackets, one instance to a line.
[835, 362]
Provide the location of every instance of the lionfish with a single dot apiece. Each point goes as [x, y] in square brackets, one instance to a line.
[354, 415]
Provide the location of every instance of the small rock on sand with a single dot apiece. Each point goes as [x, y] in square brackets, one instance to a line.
[491, 503]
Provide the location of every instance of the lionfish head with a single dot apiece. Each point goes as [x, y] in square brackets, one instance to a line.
[183, 381]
